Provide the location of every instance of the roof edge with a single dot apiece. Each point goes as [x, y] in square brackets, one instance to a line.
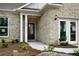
[23, 5]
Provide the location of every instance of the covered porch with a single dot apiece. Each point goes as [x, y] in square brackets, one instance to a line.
[29, 27]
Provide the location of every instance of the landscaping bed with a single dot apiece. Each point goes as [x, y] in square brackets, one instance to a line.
[14, 49]
[67, 46]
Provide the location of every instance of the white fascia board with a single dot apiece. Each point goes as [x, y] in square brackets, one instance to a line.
[54, 4]
[28, 10]
[7, 9]
[24, 5]
[33, 14]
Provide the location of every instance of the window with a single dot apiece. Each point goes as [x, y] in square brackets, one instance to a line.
[63, 29]
[3, 26]
[73, 31]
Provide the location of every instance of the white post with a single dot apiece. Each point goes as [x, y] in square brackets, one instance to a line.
[21, 28]
[26, 25]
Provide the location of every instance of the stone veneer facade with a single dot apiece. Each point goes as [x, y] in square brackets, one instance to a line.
[14, 25]
[47, 30]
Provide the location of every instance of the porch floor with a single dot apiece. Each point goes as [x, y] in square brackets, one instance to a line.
[40, 46]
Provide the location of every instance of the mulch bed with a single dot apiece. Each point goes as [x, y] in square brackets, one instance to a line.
[20, 52]
[67, 46]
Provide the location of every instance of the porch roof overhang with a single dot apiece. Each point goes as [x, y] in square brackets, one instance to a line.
[27, 7]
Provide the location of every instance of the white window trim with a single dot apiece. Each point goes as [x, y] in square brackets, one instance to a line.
[6, 27]
[67, 32]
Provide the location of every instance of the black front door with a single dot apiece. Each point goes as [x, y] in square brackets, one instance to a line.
[31, 31]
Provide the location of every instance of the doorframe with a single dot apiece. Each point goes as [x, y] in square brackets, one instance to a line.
[67, 28]
[34, 29]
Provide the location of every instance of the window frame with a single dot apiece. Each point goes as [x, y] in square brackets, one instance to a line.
[5, 26]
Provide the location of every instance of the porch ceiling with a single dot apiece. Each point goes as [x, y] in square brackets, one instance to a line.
[33, 19]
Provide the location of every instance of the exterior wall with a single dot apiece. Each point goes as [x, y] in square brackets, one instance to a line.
[48, 27]
[14, 25]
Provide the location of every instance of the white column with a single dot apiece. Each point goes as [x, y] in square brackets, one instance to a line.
[78, 32]
[21, 28]
[26, 25]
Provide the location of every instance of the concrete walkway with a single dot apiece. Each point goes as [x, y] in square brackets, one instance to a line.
[38, 45]
[65, 50]
[41, 46]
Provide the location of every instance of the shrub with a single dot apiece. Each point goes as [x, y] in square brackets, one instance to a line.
[76, 52]
[24, 46]
[62, 38]
[63, 43]
[4, 45]
[15, 41]
[50, 48]
[3, 41]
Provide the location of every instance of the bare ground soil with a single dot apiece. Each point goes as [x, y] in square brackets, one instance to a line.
[15, 50]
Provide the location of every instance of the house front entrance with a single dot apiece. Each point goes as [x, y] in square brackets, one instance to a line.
[68, 29]
[28, 27]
